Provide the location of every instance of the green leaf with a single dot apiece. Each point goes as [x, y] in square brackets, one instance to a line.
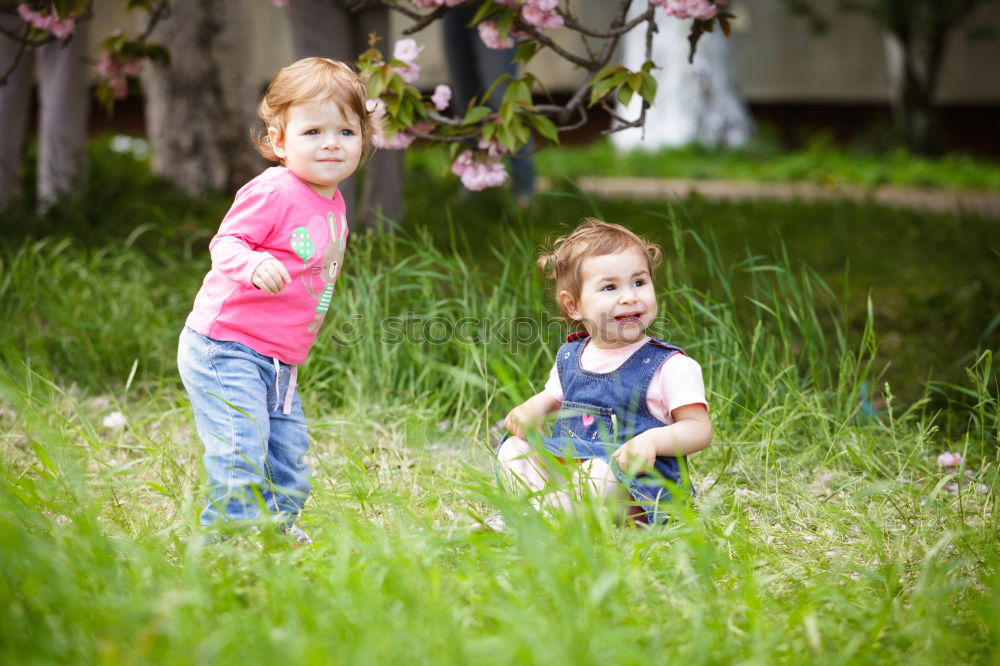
[648, 88]
[484, 10]
[624, 95]
[506, 112]
[634, 81]
[392, 105]
[517, 91]
[44, 457]
[520, 131]
[506, 138]
[404, 116]
[489, 129]
[598, 92]
[608, 71]
[476, 114]
[418, 108]
[526, 50]
[504, 24]
[157, 53]
[376, 86]
[545, 127]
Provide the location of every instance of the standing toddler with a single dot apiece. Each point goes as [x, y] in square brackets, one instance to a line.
[275, 261]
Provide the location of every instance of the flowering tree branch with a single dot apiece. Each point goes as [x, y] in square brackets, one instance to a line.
[120, 59]
[480, 135]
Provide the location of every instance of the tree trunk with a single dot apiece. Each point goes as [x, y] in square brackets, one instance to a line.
[200, 108]
[913, 61]
[698, 102]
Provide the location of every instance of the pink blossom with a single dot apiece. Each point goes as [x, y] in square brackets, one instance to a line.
[541, 13]
[702, 9]
[399, 141]
[410, 73]
[428, 4]
[698, 9]
[441, 97]
[950, 459]
[402, 139]
[100, 402]
[110, 65]
[116, 70]
[821, 483]
[490, 35]
[60, 28]
[540, 18]
[280, 3]
[119, 87]
[423, 127]
[114, 420]
[479, 171]
[407, 50]
[494, 149]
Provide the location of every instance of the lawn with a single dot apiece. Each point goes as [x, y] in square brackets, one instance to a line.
[824, 530]
[820, 162]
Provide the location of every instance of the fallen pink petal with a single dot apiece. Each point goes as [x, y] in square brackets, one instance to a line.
[114, 421]
[949, 459]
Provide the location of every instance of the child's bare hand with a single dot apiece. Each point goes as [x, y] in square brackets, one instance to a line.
[517, 421]
[530, 414]
[271, 276]
[636, 455]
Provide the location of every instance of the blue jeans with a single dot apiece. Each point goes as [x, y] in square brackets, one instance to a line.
[253, 452]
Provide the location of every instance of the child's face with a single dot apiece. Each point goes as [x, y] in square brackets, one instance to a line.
[617, 302]
[320, 145]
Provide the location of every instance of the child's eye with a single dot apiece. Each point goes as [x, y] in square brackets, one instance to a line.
[346, 132]
[312, 132]
[639, 282]
[608, 287]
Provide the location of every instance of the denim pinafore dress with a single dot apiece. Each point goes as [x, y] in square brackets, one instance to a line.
[602, 411]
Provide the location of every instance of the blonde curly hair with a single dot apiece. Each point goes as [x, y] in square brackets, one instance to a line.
[315, 80]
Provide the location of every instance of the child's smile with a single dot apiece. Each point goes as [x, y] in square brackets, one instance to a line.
[617, 302]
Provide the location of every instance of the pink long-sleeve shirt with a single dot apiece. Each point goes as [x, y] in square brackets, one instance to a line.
[274, 216]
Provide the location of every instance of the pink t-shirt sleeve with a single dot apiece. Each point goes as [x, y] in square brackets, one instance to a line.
[245, 228]
[677, 383]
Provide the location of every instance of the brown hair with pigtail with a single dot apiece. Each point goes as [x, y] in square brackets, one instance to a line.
[561, 261]
[316, 80]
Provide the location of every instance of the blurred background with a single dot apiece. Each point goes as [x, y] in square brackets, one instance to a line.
[795, 80]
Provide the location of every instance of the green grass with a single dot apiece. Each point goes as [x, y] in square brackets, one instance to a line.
[821, 163]
[931, 280]
[821, 533]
